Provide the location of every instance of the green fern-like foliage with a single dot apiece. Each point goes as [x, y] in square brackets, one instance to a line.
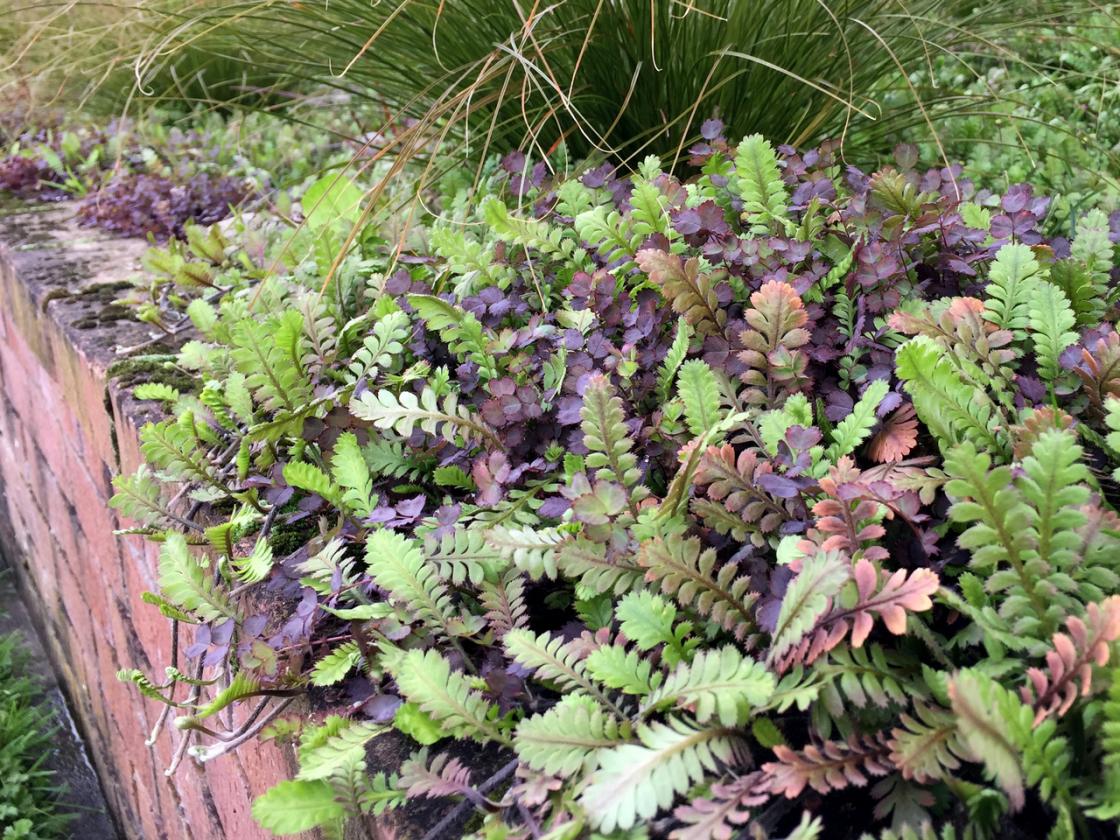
[856, 427]
[380, 348]
[721, 684]
[952, 408]
[552, 660]
[270, 355]
[699, 391]
[567, 738]
[1011, 282]
[188, 584]
[1092, 251]
[608, 441]
[467, 339]
[807, 599]
[398, 566]
[683, 570]
[447, 419]
[426, 678]
[635, 781]
[759, 184]
[1023, 533]
[1050, 323]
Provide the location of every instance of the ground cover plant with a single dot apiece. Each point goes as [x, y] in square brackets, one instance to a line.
[774, 499]
[28, 791]
[1051, 120]
[154, 175]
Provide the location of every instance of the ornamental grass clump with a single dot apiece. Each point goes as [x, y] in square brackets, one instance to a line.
[622, 78]
[777, 499]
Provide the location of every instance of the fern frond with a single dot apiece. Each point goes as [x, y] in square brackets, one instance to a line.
[1092, 249]
[1012, 278]
[807, 599]
[733, 481]
[588, 563]
[185, 582]
[444, 776]
[626, 671]
[426, 678]
[351, 473]
[567, 738]
[865, 676]
[855, 428]
[723, 811]
[981, 706]
[831, 766]
[322, 756]
[270, 355]
[454, 423]
[691, 293]
[533, 551]
[776, 365]
[504, 602]
[685, 572]
[464, 555]
[243, 684]
[333, 667]
[674, 357]
[553, 660]
[380, 348]
[717, 683]
[1050, 323]
[311, 479]
[139, 497]
[1099, 371]
[699, 391]
[635, 781]
[759, 183]
[398, 566]
[1000, 534]
[465, 337]
[927, 746]
[1069, 665]
[608, 440]
[951, 408]
[255, 567]
[173, 447]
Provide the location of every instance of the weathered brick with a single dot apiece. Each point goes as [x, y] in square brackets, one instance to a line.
[59, 444]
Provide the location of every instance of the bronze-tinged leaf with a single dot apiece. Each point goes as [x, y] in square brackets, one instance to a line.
[834, 765]
[724, 811]
[1024, 435]
[890, 597]
[1069, 666]
[776, 320]
[1099, 371]
[691, 294]
[897, 436]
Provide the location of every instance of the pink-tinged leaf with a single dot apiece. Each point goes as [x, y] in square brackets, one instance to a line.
[1069, 666]
[834, 765]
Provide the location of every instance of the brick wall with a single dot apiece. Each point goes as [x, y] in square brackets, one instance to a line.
[65, 430]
